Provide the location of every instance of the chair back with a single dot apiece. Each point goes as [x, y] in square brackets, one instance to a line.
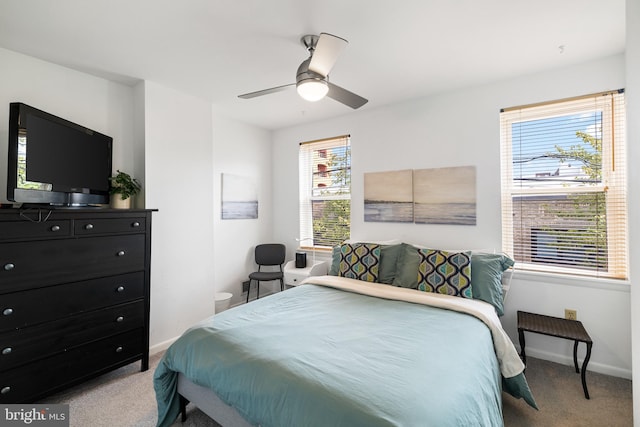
[270, 254]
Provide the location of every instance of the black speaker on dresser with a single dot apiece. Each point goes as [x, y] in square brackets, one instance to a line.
[301, 259]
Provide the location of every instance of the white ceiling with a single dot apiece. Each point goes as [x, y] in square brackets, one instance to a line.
[402, 49]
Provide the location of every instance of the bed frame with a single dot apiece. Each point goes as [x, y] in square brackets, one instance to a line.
[209, 403]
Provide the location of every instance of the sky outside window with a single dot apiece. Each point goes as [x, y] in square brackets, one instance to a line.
[535, 157]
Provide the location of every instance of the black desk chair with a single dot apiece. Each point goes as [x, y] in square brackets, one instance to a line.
[269, 254]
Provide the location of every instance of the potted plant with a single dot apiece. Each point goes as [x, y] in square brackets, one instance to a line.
[122, 188]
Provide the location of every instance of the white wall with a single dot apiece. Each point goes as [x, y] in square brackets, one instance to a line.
[242, 150]
[139, 142]
[98, 104]
[195, 254]
[633, 133]
[179, 183]
[457, 129]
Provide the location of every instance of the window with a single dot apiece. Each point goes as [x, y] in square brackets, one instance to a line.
[564, 202]
[325, 192]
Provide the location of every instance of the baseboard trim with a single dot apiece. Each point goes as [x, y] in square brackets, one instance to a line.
[600, 368]
[161, 346]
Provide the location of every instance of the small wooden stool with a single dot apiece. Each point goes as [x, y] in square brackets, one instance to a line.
[556, 327]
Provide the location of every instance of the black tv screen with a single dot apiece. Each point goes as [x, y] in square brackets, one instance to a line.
[55, 161]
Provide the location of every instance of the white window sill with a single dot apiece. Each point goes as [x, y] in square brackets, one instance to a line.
[578, 281]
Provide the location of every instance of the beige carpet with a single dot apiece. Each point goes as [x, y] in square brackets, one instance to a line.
[125, 398]
[558, 392]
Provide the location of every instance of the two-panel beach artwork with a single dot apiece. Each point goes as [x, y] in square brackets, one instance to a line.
[424, 196]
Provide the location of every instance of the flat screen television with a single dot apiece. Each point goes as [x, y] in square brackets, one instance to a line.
[53, 161]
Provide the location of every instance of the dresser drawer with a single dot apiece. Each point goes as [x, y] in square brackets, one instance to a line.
[109, 225]
[21, 346]
[25, 229]
[32, 381]
[28, 308]
[34, 264]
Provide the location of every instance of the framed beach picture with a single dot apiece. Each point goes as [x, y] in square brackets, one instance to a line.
[388, 196]
[239, 197]
[445, 195]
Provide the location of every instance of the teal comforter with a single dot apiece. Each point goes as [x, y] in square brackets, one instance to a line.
[319, 356]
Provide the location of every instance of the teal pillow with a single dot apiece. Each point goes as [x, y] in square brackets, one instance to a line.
[389, 256]
[486, 278]
[360, 261]
[444, 272]
[335, 261]
[407, 267]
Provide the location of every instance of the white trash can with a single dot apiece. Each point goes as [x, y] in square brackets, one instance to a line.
[223, 300]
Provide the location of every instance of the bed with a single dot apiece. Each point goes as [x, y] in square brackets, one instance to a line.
[347, 351]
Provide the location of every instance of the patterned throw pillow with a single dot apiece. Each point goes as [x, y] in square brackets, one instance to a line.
[360, 261]
[445, 272]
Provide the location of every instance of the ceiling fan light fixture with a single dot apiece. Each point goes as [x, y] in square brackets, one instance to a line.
[312, 77]
[312, 89]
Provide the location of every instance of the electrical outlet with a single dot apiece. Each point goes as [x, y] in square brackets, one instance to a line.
[570, 314]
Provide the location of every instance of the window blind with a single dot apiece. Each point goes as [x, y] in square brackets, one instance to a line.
[564, 194]
[325, 191]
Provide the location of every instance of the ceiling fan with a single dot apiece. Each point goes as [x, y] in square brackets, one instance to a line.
[312, 78]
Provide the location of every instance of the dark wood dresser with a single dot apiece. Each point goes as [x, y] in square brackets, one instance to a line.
[74, 297]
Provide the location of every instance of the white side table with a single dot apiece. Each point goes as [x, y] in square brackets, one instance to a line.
[293, 276]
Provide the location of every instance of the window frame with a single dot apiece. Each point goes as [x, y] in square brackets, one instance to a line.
[612, 184]
[306, 190]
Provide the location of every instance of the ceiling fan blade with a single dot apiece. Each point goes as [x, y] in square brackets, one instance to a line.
[265, 91]
[344, 96]
[326, 52]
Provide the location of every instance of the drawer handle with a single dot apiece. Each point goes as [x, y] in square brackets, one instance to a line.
[6, 351]
[88, 227]
[5, 390]
[55, 228]
[9, 266]
[120, 288]
[8, 311]
[119, 349]
[120, 319]
[120, 253]
[135, 224]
